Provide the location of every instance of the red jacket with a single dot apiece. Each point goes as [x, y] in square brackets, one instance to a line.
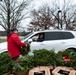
[14, 44]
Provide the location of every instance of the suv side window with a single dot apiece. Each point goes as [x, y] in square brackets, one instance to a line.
[39, 37]
[67, 35]
[53, 36]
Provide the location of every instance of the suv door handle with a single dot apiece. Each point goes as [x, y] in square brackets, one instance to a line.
[42, 44]
[62, 42]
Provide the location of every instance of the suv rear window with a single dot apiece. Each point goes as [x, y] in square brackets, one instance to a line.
[67, 35]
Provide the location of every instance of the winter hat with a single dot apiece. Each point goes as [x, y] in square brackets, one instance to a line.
[13, 28]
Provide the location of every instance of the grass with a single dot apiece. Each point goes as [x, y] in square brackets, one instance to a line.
[2, 40]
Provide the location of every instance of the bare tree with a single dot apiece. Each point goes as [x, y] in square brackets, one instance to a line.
[67, 13]
[42, 18]
[55, 15]
[11, 13]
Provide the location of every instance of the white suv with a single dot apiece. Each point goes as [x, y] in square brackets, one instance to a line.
[53, 39]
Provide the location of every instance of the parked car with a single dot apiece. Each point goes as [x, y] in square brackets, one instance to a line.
[53, 39]
[3, 47]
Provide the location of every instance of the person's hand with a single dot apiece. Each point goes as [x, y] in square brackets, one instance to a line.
[26, 45]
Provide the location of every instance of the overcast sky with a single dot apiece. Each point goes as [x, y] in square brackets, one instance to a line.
[38, 3]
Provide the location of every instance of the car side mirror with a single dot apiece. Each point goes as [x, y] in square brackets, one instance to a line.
[30, 40]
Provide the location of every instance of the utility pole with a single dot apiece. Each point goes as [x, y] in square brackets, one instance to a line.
[8, 16]
[59, 19]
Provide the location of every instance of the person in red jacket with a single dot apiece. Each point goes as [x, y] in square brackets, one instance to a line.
[14, 44]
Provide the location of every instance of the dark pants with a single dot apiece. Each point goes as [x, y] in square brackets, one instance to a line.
[15, 58]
